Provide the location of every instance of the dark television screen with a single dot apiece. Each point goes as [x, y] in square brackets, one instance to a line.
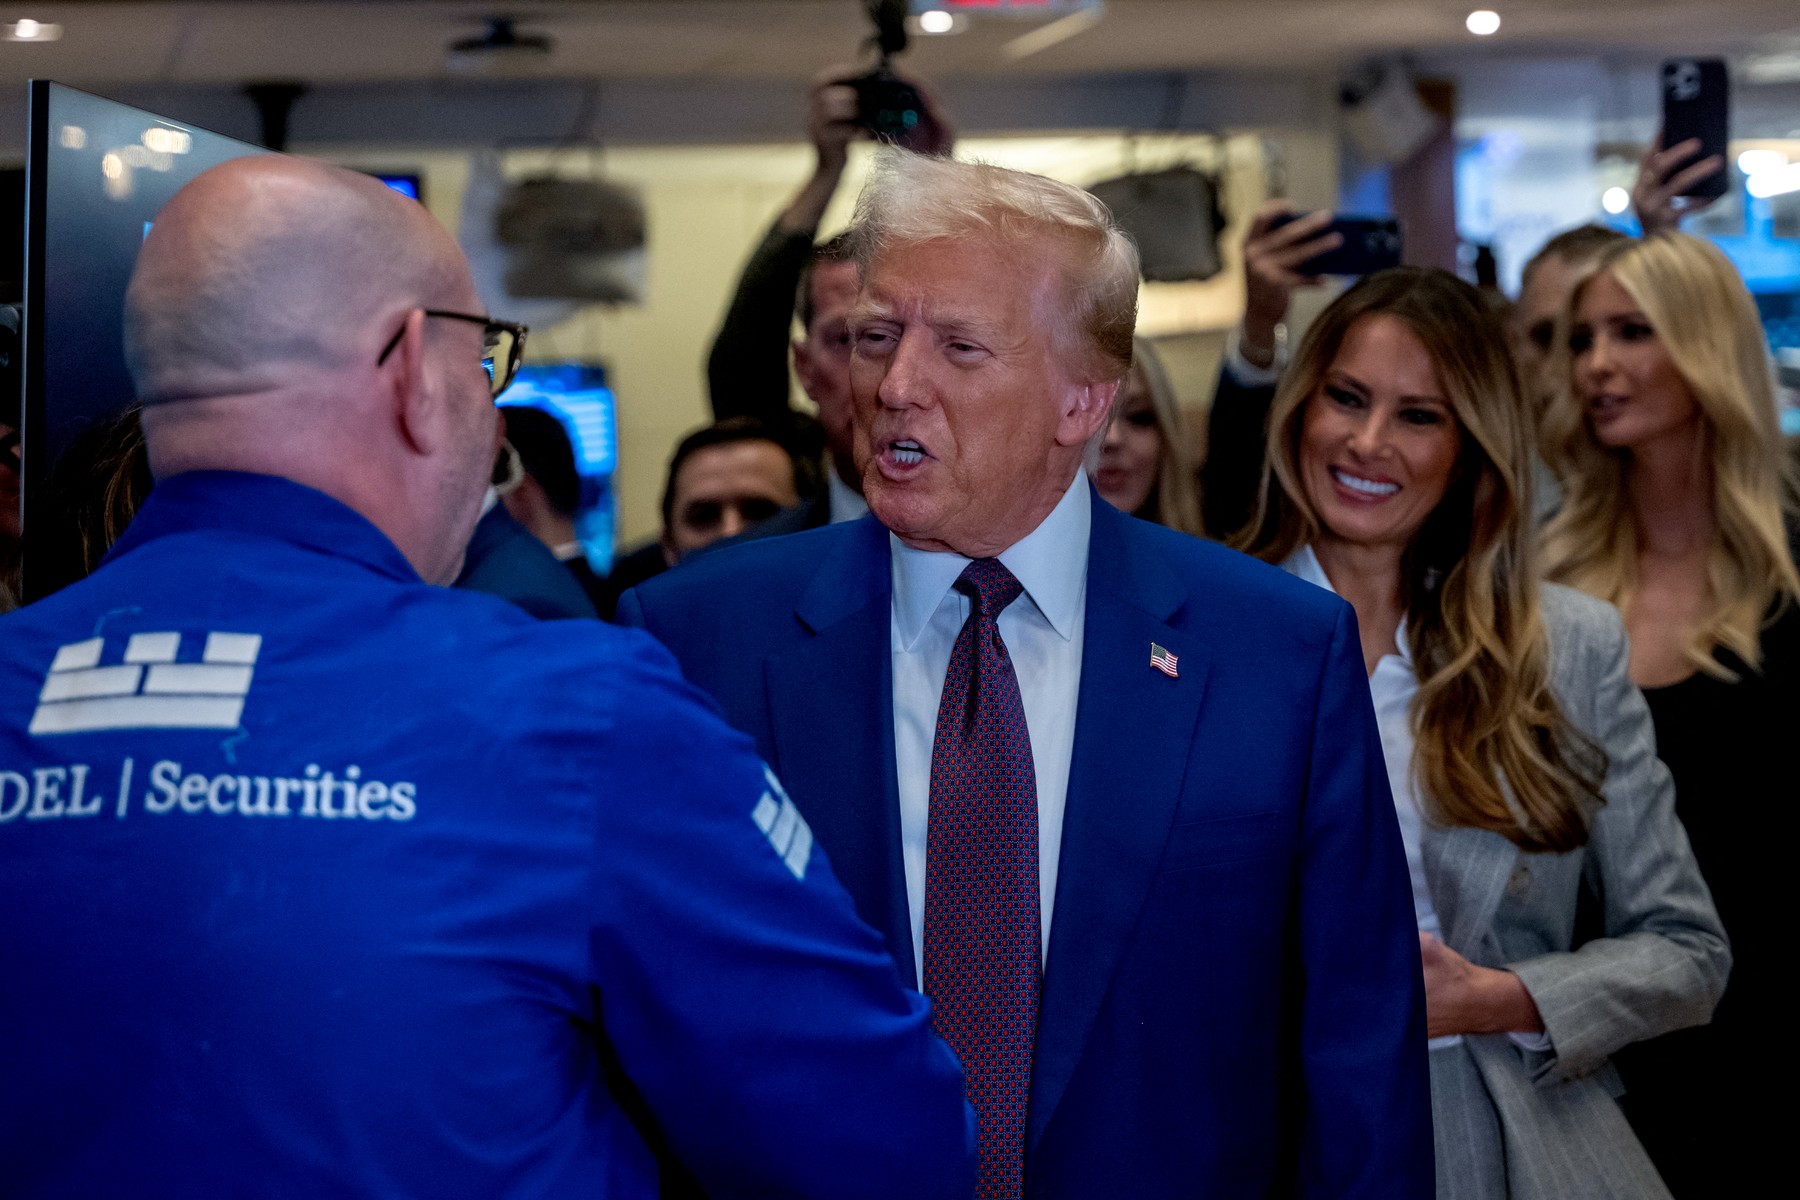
[97, 173]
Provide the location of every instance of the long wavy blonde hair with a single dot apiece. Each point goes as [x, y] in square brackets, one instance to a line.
[1493, 749]
[1703, 316]
[1175, 497]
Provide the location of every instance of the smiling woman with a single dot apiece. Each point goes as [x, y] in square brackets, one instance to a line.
[1519, 755]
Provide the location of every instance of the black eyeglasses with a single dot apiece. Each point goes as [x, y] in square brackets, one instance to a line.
[502, 346]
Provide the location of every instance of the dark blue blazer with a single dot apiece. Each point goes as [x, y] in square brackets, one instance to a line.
[1232, 1003]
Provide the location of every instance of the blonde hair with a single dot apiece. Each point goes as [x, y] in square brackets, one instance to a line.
[1702, 314]
[1175, 497]
[1493, 749]
[912, 198]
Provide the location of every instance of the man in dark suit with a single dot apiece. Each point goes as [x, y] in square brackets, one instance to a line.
[1113, 796]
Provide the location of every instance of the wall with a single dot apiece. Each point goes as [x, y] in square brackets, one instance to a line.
[714, 163]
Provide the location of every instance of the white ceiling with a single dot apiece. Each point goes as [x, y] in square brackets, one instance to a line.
[386, 40]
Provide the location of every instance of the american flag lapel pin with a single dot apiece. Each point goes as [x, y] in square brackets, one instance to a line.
[1163, 661]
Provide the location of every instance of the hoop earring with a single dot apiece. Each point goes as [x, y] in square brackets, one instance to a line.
[509, 469]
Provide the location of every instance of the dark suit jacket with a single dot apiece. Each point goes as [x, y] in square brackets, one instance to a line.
[504, 560]
[1232, 1003]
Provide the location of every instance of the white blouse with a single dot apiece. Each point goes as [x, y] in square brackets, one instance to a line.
[1392, 688]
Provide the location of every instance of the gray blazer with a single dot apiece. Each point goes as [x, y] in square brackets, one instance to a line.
[1545, 1126]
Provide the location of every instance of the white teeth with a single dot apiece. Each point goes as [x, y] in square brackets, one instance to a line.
[1366, 486]
[907, 452]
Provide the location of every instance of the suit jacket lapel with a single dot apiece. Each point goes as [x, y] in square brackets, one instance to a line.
[1134, 730]
[1466, 871]
[831, 702]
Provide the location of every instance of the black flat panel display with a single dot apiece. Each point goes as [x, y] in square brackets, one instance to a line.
[97, 173]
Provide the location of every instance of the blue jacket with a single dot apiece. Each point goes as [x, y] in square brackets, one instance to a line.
[505, 560]
[317, 881]
[1232, 1002]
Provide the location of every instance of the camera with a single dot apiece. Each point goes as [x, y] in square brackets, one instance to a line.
[886, 105]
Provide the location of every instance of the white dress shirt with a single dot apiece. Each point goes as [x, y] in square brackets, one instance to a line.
[1392, 688]
[842, 502]
[1043, 632]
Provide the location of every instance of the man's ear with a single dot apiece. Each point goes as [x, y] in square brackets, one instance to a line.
[803, 364]
[417, 407]
[1086, 408]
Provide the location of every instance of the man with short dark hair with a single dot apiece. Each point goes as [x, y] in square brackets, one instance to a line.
[320, 880]
[1114, 795]
[722, 479]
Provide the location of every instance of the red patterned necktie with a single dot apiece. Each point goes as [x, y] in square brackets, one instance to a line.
[982, 950]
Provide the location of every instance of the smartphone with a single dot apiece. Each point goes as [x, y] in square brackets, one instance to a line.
[1696, 103]
[1369, 244]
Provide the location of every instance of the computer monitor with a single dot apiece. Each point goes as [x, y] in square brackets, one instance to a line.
[96, 174]
[576, 395]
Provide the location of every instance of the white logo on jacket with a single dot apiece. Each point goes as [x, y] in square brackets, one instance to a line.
[148, 689]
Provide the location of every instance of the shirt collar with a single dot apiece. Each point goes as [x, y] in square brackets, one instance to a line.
[264, 506]
[1304, 564]
[844, 502]
[1050, 563]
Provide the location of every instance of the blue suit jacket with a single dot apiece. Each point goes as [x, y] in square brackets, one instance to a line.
[1232, 1003]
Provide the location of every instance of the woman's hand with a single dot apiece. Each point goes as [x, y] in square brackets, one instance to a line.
[1461, 997]
[1657, 195]
[1270, 256]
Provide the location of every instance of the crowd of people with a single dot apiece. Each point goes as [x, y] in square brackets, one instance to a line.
[980, 816]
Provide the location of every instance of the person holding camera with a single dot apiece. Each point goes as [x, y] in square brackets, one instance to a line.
[787, 275]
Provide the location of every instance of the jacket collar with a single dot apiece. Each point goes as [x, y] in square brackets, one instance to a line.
[262, 506]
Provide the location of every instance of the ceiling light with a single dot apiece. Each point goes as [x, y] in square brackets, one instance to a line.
[1483, 22]
[1615, 200]
[936, 20]
[1752, 162]
[1780, 182]
[31, 31]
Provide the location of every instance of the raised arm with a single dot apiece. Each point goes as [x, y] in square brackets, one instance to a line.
[1235, 423]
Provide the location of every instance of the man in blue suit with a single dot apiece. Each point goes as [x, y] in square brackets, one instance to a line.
[1113, 796]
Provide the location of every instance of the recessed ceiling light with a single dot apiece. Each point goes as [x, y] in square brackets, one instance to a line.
[1615, 200]
[1483, 22]
[936, 20]
[28, 30]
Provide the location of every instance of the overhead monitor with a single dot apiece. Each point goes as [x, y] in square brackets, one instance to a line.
[96, 174]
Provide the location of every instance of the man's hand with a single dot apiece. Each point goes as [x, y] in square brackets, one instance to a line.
[934, 134]
[831, 116]
[831, 126]
[1270, 258]
[1656, 196]
[1461, 997]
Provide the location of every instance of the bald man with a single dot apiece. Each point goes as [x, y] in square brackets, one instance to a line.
[321, 880]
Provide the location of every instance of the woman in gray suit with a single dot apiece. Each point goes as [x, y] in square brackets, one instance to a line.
[1521, 756]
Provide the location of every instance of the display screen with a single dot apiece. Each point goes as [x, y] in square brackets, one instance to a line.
[97, 173]
[576, 395]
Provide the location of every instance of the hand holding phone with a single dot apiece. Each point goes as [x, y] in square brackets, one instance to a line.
[1696, 106]
[1365, 245]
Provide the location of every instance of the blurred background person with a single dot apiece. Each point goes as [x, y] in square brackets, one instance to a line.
[722, 479]
[1678, 512]
[1145, 466]
[507, 560]
[94, 492]
[545, 495]
[1521, 757]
